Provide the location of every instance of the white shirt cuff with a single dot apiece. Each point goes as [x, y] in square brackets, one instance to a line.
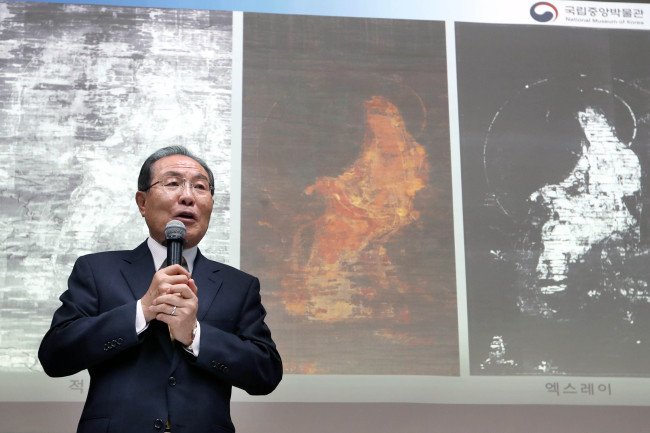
[194, 347]
[140, 322]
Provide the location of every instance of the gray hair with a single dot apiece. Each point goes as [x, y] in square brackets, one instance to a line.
[144, 179]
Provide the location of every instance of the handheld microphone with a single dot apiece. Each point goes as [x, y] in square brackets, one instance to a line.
[175, 241]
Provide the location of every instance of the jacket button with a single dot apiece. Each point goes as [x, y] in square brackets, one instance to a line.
[171, 381]
[214, 364]
[158, 424]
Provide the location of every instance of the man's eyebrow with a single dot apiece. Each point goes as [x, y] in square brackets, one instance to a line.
[179, 174]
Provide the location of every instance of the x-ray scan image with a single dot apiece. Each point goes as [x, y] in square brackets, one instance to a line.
[554, 167]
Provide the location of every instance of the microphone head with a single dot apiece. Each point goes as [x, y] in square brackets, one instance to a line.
[175, 230]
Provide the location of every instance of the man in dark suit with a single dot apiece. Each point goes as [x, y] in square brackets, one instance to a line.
[163, 345]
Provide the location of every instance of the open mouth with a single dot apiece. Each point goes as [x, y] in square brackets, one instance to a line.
[186, 216]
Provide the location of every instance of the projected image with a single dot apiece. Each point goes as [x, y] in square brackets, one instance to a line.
[365, 207]
[346, 209]
[554, 162]
[87, 93]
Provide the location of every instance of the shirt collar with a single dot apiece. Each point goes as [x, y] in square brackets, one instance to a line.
[159, 253]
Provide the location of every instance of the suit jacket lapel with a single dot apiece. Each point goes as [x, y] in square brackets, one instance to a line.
[138, 270]
[206, 277]
[208, 283]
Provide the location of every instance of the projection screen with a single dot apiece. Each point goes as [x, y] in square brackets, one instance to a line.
[444, 202]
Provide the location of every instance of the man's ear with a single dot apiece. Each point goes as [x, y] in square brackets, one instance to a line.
[141, 200]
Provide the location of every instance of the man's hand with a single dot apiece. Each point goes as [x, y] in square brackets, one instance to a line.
[172, 290]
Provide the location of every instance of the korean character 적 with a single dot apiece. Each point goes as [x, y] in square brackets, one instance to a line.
[77, 385]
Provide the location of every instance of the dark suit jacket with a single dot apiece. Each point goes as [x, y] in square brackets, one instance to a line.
[138, 382]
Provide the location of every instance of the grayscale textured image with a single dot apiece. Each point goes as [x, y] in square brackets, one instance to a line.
[86, 94]
[555, 173]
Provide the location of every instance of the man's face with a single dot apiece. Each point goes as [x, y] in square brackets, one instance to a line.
[159, 205]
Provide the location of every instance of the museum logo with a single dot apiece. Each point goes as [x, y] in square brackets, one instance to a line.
[543, 12]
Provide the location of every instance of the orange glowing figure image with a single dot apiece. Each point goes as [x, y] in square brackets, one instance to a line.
[346, 198]
[347, 273]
